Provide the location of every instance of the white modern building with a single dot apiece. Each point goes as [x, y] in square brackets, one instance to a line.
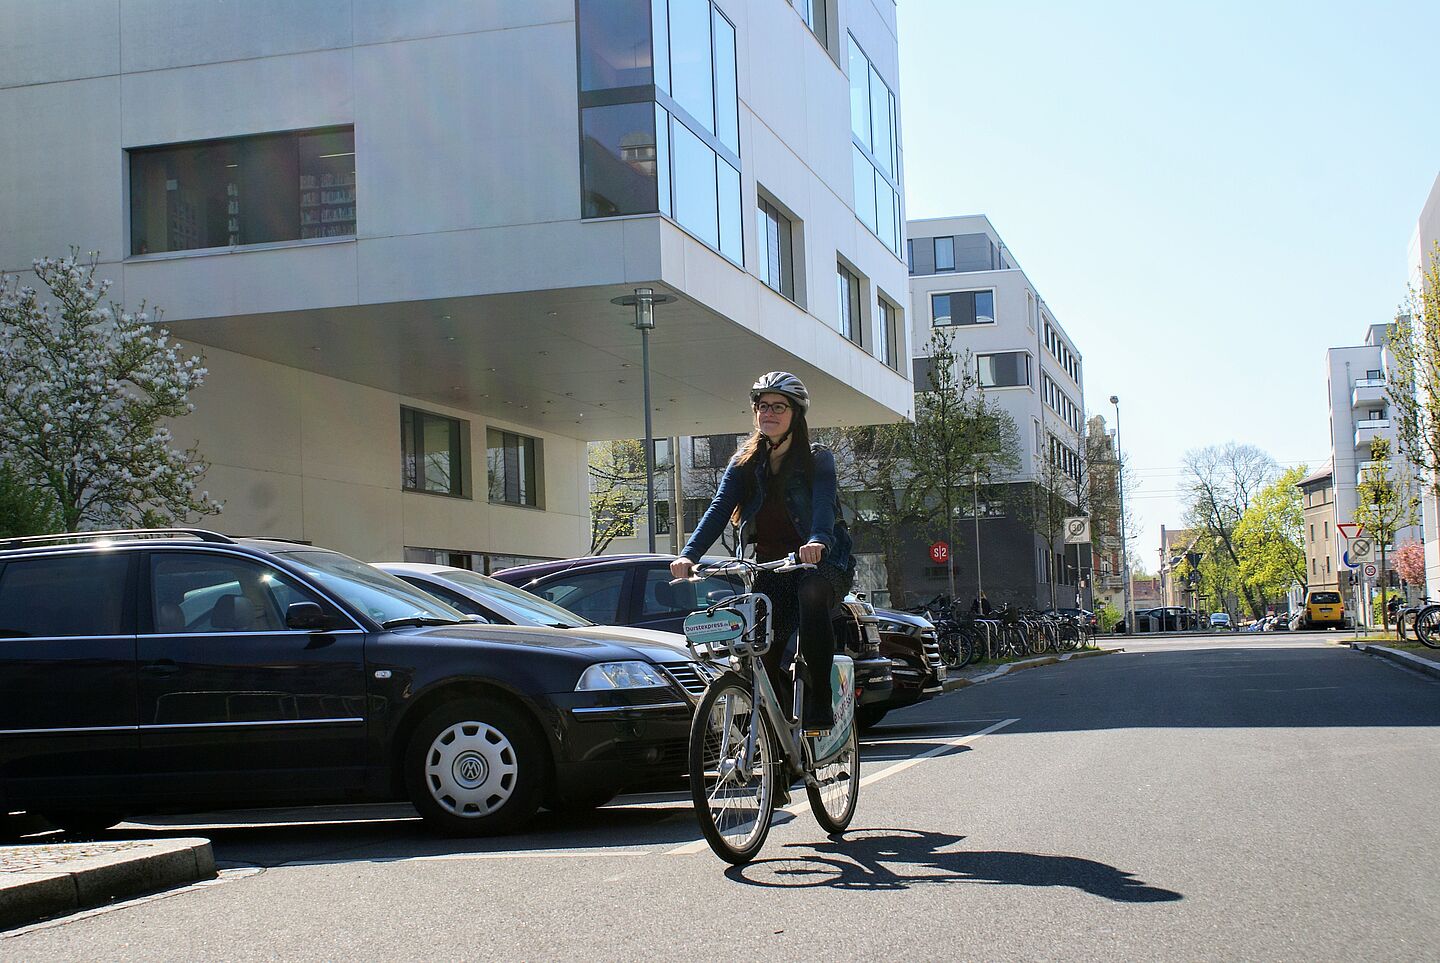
[1360, 413]
[1422, 248]
[395, 229]
[963, 278]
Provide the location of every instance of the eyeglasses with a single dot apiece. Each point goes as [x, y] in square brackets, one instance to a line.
[774, 408]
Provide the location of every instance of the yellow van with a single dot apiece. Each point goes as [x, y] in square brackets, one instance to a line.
[1323, 608]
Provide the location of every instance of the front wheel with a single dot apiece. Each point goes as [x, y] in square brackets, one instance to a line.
[1427, 626]
[836, 788]
[733, 770]
[476, 768]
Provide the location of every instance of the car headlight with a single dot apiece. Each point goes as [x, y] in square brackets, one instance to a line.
[620, 675]
[895, 628]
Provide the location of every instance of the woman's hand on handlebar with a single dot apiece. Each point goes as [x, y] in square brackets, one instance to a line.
[681, 568]
[809, 553]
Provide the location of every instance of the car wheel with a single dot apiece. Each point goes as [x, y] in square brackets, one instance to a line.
[868, 717]
[83, 822]
[476, 768]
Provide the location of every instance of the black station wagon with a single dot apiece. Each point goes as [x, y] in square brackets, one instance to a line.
[174, 670]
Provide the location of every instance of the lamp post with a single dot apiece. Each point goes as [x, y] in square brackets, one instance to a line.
[1124, 547]
[979, 584]
[644, 301]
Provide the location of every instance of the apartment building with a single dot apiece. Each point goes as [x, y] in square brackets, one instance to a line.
[396, 231]
[1359, 413]
[1175, 545]
[1323, 563]
[1423, 247]
[963, 278]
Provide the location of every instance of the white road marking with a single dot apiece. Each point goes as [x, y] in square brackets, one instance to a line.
[796, 809]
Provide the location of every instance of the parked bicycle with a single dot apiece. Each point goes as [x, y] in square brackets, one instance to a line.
[746, 750]
[1426, 624]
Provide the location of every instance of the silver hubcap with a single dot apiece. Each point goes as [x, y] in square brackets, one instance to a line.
[470, 769]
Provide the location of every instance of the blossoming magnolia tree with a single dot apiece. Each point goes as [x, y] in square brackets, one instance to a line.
[86, 393]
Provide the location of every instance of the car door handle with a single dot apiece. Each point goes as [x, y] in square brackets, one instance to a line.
[163, 667]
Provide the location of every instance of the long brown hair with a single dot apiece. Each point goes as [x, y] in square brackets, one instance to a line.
[757, 446]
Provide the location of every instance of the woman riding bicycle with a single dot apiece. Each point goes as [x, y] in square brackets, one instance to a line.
[781, 491]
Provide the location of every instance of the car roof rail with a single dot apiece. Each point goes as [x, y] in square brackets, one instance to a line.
[33, 541]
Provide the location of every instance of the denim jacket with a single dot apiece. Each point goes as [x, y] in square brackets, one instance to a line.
[814, 508]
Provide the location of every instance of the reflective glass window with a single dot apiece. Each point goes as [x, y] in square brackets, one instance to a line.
[513, 466]
[196, 592]
[775, 244]
[1005, 370]
[660, 31]
[727, 100]
[728, 196]
[963, 307]
[848, 298]
[885, 211]
[696, 205]
[859, 94]
[880, 120]
[864, 188]
[615, 47]
[691, 78]
[621, 156]
[894, 137]
[887, 346]
[945, 254]
[250, 190]
[662, 159]
[433, 457]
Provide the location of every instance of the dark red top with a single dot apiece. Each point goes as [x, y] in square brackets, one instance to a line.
[775, 535]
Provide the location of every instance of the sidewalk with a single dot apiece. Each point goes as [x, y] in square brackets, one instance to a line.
[50, 879]
[977, 674]
[1411, 655]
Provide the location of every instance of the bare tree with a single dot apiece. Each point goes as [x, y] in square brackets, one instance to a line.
[1220, 483]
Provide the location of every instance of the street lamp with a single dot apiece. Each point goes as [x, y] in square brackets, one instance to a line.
[1124, 547]
[644, 301]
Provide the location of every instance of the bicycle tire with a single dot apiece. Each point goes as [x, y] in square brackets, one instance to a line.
[717, 733]
[834, 812]
[1427, 626]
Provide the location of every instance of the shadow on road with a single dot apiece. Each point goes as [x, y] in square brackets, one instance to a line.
[898, 859]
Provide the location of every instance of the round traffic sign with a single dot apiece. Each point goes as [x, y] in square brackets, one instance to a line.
[939, 552]
[1370, 570]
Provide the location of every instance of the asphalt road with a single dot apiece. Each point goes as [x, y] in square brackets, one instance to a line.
[1217, 798]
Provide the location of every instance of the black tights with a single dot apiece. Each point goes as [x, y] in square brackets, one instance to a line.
[805, 600]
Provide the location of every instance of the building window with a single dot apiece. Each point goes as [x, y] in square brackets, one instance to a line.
[876, 155]
[660, 116]
[712, 451]
[847, 319]
[1374, 374]
[923, 373]
[244, 190]
[1006, 370]
[1327, 531]
[963, 307]
[817, 18]
[775, 242]
[887, 312]
[944, 253]
[434, 452]
[513, 463]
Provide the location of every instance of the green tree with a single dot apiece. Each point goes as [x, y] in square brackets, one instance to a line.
[1269, 537]
[1219, 483]
[1413, 385]
[959, 442]
[1385, 503]
[617, 490]
[24, 509]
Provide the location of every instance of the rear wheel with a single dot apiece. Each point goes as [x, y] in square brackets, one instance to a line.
[733, 786]
[836, 788]
[475, 768]
[1427, 626]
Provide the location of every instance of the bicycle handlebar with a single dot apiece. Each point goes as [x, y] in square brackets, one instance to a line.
[743, 566]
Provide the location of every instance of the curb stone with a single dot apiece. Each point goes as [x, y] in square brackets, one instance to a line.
[40, 881]
[953, 684]
[1395, 655]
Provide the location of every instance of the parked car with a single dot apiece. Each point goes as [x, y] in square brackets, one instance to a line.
[1220, 622]
[1086, 617]
[203, 671]
[636, 590]
[1323, 609]
[911, 644]
[499, 602]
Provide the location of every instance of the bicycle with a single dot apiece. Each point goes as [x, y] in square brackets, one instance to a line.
[1427, 625]
[742, 742]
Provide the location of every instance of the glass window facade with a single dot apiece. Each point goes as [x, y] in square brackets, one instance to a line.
[847, 319]
[775, 242]
[513, 464]
[433, 453]
[876, 160]
[245, 190]
[660, 116]
[1006, 370]
[963, 307]
[887, 314]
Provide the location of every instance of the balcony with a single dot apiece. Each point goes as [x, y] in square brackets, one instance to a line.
[1367, 393]
[1368, 430]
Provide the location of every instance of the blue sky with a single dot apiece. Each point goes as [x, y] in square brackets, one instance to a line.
[1207, 196]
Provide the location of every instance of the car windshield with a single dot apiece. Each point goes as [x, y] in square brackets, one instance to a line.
[529, 606]
[383, 597]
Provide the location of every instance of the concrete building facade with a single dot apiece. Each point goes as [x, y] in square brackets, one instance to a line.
[395, 231]
[1425, 245]
[1323, 565]
[964, 279]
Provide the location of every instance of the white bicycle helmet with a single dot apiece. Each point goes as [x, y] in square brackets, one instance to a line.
[781, 383]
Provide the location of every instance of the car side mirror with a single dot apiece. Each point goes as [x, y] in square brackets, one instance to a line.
[305, 615]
